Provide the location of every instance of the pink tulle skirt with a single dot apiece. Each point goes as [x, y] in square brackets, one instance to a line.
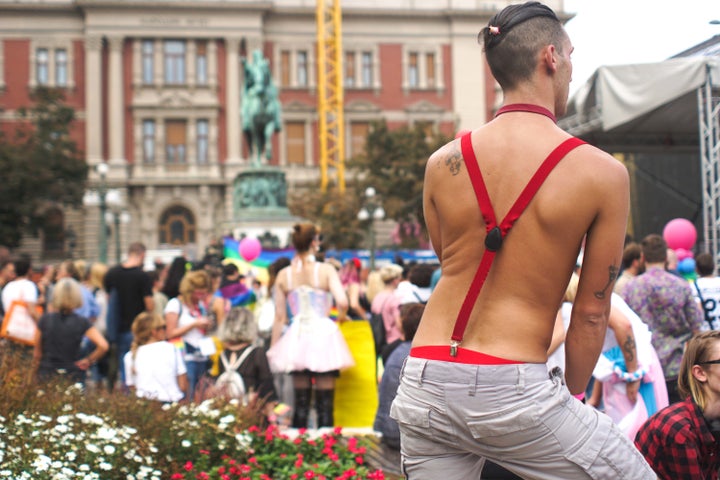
[314, 344]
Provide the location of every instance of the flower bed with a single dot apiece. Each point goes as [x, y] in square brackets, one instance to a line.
[59, 432]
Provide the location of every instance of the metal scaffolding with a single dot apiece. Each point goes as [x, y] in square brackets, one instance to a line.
[331, 122]
[709, 129]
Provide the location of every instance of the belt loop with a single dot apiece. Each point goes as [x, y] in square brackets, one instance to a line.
[520, 386]
[402, 369]
[422, 372]
[472, 386]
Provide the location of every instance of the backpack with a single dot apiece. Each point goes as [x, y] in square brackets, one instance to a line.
[230, 382]
[377, 325]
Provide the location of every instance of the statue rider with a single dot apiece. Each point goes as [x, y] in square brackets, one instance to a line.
[260, 106]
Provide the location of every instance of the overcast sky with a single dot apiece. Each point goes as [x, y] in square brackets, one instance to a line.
[615, 32]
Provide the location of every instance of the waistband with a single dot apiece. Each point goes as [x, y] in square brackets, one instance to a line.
[420, 369]
[464, 355]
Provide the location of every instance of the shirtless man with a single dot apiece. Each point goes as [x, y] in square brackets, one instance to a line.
[484, 391]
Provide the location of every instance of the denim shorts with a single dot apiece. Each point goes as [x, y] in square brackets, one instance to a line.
[453, 416]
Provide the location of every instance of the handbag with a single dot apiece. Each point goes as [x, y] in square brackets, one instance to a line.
[18, 325]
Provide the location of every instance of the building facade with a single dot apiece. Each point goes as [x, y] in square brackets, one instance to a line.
[156, 86]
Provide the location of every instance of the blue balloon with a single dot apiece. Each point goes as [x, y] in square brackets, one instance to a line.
[686, 265]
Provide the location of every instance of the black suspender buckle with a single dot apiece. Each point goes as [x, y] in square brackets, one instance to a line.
[494, 239]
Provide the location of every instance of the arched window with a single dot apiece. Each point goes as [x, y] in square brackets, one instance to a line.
[177, 226]
[53, 238]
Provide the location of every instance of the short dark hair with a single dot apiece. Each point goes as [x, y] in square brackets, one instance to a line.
[410, 316]
[631, 252]
[230, 269]
[23, 264]
[137, 248]
[704, 264]
[513, 38]
[654, 248]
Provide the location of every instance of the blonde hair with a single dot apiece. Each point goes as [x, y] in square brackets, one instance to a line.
[97, 275]
[67, 295]
[239, 326]
[375, 285]
[571, 290]
[143, 328]
[699, 349]
[191, 281]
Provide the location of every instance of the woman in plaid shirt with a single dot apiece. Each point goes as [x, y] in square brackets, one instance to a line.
[682, 441]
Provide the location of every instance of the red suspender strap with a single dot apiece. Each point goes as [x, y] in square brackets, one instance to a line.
[496, 233]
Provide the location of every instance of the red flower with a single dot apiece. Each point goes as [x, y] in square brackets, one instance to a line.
[252, 460]
[177, 476]
[334, 457]
[205, 452]
[309, 474]
[188, 466]
[294, 476]
[359, 460]
[224, 477]
[337, 430]
[302, 431]
[203, 476]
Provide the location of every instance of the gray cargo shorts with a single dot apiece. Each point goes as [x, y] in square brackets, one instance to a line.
[453, 416]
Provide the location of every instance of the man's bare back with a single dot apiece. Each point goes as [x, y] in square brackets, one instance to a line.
[586, 193]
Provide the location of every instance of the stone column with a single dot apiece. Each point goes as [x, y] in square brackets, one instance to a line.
[116, 118]
[233, 99]
[93, 99]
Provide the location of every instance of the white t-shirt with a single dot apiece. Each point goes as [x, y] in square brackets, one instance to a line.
[710, 290]
[193, 336]
[22, 289]
[156, 368]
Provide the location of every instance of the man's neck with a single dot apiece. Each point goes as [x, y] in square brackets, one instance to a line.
[661, 265]
[132, 262]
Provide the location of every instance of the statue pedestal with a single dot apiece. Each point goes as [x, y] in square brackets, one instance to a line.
[260, 207]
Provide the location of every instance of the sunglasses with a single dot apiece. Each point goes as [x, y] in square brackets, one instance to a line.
[709, 362]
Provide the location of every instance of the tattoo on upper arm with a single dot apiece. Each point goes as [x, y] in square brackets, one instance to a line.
[454, 162]
[612, 275]
[629, 347]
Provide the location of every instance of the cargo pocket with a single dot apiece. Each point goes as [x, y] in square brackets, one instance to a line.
[411, 415]
[504, 428]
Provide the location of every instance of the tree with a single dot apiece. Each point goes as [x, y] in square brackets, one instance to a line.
[394, 164]
[41, 166]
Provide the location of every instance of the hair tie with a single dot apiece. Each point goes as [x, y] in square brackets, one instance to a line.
[493, 30]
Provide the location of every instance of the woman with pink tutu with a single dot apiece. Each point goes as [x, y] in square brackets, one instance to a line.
[310, 345]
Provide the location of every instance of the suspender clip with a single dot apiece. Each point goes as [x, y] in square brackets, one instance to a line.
[453, 348]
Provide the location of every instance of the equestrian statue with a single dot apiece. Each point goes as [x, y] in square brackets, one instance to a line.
[260, 108]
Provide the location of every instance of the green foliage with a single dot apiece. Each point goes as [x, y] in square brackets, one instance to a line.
[56, 431]
[394, 164]
[41, 166]
[335, 213]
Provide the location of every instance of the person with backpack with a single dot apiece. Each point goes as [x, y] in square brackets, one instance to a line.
[385, 309]
[244, 368]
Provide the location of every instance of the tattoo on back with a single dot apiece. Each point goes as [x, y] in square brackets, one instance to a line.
[612, 275]
[454, 162]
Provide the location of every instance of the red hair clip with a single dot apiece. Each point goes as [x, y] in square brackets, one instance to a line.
[494, 30]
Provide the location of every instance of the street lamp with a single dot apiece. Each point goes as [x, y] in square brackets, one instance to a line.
[115, 216]
[102, 170]
[371, 210]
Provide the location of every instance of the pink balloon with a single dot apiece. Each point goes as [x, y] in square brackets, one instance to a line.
[680, 233]
[249, 248]
[683, 253]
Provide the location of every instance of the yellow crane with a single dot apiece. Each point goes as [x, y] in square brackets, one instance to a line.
[331, 121]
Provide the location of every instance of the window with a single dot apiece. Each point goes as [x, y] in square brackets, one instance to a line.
[202, 142]
[367, 69]
[148, 132]
[42, 68]
[201, 64]
[175, 62]
[302, 68]
[349, 69]
[61, 67]
[295, 143]
[285, 68]
[430, 70]
[175, 141]
[413, 71]
[358, 136]
[177, 226]
[147, 62]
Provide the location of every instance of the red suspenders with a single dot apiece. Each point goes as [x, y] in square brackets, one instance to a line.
[497, 232]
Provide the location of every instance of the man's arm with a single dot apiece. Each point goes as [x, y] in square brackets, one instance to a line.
[601, 264]
[449, 159]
